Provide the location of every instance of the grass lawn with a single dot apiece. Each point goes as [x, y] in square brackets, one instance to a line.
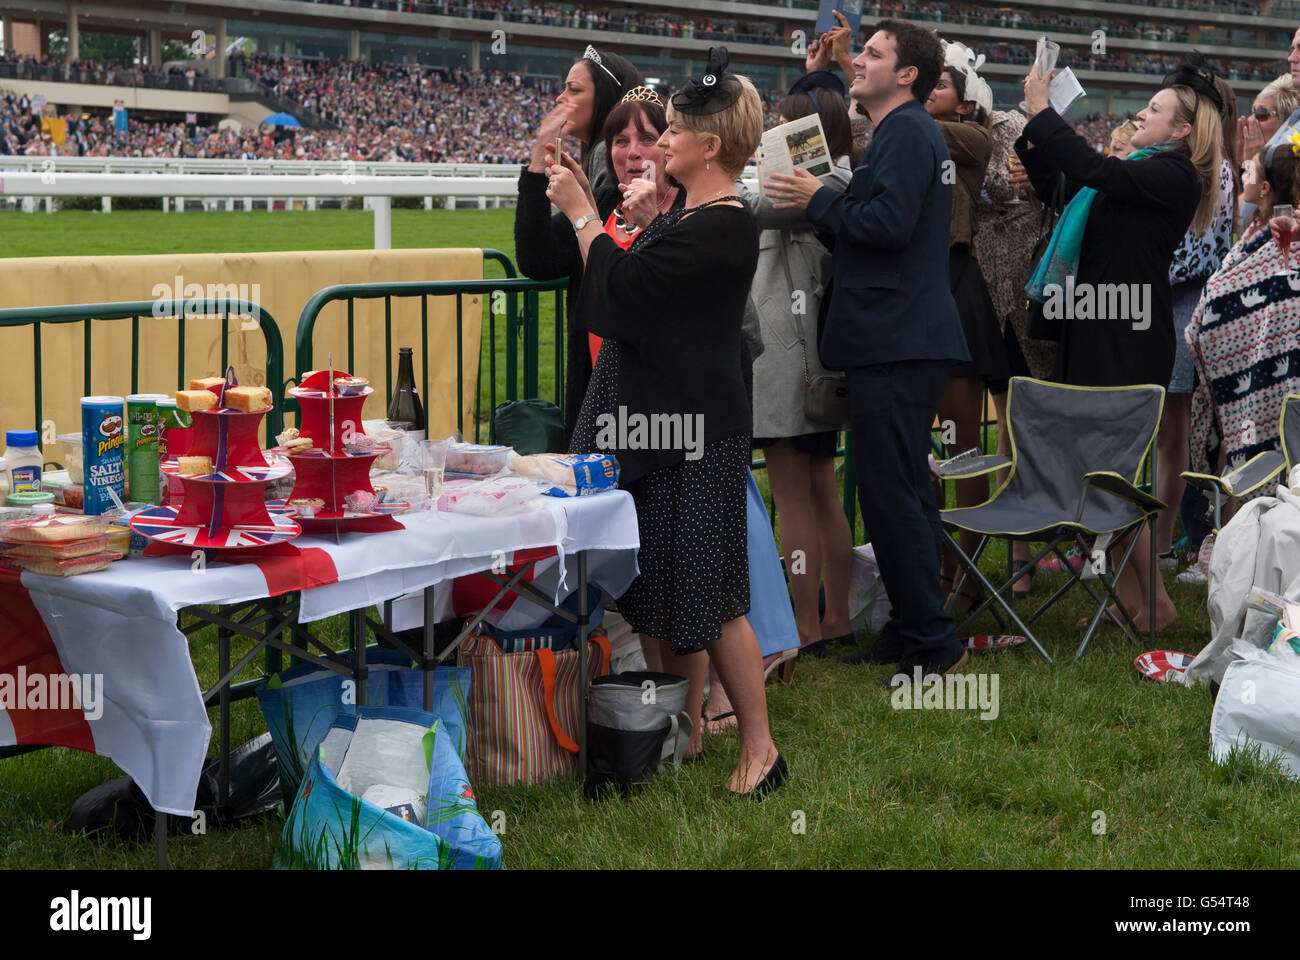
[1075, 746]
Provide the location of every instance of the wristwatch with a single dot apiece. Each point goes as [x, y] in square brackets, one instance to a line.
[583, 220]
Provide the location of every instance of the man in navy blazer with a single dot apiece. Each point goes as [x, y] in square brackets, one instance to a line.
[893, 326]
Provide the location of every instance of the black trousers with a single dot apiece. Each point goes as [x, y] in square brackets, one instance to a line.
[893, 407]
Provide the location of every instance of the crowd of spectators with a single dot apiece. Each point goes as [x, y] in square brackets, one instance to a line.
[390, 112]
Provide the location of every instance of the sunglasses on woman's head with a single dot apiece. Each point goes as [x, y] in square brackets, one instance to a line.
[1263, 113]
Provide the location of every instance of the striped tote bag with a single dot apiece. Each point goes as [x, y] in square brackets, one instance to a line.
[525, 710]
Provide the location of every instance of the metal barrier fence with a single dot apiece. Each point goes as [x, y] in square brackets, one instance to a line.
[178, 310]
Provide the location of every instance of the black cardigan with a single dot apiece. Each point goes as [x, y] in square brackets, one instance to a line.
[1141, 212]
[546, 249]
[676, 306]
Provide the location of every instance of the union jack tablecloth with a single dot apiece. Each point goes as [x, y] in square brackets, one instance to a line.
[120, 623]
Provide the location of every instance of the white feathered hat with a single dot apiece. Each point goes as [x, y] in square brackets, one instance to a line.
[963, 59]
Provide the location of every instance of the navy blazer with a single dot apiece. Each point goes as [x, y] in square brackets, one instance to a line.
[890, 300]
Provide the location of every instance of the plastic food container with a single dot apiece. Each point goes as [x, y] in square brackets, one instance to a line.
[72, 454]
[31, 499]
[63, 568]
[60, 526]
[477, 458]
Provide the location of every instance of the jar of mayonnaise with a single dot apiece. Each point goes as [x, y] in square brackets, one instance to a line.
[23, 461]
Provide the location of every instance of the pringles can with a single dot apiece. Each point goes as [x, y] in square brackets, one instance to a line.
[103, 434]
[142, 445]
[175, 437]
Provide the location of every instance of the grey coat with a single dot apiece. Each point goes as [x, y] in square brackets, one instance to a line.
[779, 383]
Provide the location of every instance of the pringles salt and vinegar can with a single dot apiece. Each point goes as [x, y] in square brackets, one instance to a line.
[142, 445]
[103, 434]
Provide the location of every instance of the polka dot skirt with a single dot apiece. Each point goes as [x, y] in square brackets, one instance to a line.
[694, 559]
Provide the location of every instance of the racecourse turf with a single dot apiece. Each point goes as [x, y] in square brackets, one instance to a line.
[1085, 765]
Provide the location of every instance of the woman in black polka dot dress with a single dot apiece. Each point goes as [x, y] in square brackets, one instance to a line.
[669, 310]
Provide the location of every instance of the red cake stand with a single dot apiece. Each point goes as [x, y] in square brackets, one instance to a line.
[226, 509]
[327, 471]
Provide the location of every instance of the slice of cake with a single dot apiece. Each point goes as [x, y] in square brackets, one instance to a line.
[192, 400]
[194, 466]
[248, 399]
[206, 383]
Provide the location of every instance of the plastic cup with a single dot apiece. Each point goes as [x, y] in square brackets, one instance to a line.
[433, 462]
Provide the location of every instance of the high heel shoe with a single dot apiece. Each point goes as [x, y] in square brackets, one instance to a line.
[784, 662]
[774, 777]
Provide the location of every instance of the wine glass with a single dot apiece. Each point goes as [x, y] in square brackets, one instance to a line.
[1044, 62]
[1283, 225]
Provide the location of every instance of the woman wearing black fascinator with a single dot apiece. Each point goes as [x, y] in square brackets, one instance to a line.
[670, 310]
[1118, 232]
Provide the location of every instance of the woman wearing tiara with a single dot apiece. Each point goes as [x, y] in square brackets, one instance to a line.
[670, 309]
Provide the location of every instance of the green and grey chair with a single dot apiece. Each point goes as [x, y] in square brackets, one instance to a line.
[1077, 455]
[1259, 469]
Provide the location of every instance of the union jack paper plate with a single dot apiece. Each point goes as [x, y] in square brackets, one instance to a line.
[159, 523]
[1164, 665]
[278, 468]
[993, 642]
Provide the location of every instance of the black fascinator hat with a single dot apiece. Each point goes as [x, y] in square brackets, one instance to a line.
[712, 91]
[1195, 73]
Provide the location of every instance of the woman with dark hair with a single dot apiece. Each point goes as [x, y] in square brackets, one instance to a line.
[671, 309]
[544, 245]
[960, 104]
[1123, 221]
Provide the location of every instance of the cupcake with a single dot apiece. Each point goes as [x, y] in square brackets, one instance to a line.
[350, 386]
[359, 445]
[360, 501]
[307, 506]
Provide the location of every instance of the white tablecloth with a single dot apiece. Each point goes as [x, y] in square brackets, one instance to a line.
[121, 622]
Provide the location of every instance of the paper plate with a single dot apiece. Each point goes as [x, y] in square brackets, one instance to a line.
[159, 523]
[993, 642]
[1163, 665]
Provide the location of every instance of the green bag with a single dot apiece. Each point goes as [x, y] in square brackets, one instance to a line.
[530, 426]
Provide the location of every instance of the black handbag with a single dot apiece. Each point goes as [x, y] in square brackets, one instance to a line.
[1041, 327]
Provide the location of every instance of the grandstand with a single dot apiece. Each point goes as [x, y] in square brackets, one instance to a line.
[464, 81]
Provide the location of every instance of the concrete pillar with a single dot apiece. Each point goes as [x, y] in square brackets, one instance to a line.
[354, 44]
[167, 204]
[49, 204]
[155, 48]
[43, 37]
[311, 203]
[7, 23]
[474, 54]
[450, 203]
[74, 33]
[482, 203]
[230, 204]
[180, 204]
[106, 204]
[428, 203]
[248, 204]
[221, 47]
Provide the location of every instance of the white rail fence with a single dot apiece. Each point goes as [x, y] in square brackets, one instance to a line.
[25, 181]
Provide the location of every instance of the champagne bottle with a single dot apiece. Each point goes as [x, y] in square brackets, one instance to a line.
[406, 405]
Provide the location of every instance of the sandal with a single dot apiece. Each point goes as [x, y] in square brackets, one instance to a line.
[727, 720]
[784, 661]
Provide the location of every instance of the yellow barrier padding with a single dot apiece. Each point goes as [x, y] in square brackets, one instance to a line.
[281, 282]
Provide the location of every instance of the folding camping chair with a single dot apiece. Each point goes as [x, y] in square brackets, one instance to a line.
[1076, 456]
[1259, 469]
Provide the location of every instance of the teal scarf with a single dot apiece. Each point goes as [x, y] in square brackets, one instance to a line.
[1061, 258]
